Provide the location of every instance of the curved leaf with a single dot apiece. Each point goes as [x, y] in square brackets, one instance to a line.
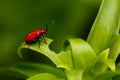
[111, 64]
[102, 63]
[43, 49]
[103, 55]
[44, 76]
[83, 55]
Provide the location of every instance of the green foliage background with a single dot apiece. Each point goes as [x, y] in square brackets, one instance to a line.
[73, 18]
[78, 58]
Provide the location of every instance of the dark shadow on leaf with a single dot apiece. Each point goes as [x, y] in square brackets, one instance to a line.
[33, 56]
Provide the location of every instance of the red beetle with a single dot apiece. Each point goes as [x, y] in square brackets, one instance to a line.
[35, 35]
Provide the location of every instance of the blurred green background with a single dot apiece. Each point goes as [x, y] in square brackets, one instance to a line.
[73, 18]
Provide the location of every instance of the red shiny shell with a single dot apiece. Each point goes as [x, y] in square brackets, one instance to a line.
[33, 35]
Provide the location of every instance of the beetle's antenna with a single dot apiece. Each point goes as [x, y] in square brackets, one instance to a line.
[46, 27]
[52, 22]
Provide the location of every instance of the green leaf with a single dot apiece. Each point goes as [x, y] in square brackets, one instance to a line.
[102, 63]
[111, 64]
[103, 55]
[106, 25]
[44, 76]
[74, 74]
[25, 70]
[118, 71]
[106, 76]
[83, 55]
[115, 49]
[44, 49]
[88, 75]
[118, 68]
[66, 57]
[99, 68]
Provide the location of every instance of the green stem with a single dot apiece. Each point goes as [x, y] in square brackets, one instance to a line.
[74, 75]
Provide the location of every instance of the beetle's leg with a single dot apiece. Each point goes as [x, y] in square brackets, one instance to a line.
[44, 39]
[39, 43]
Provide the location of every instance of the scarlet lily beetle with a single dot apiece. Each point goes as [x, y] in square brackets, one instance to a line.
[35, 36]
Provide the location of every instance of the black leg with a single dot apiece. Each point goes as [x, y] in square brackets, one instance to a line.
[39, 43]
[44, 39]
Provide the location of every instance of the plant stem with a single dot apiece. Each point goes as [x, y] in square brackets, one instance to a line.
[74, 75]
